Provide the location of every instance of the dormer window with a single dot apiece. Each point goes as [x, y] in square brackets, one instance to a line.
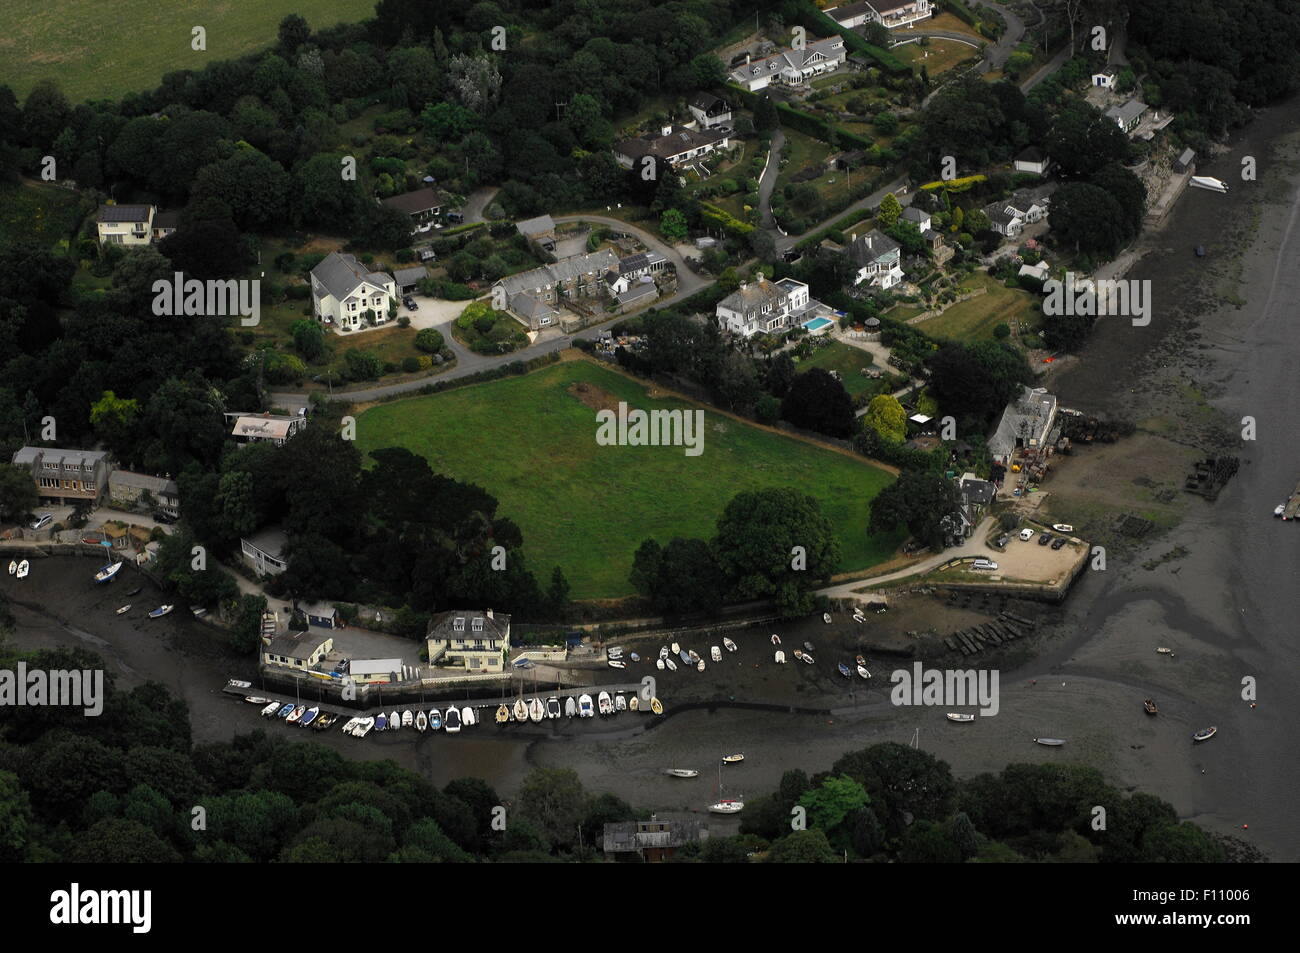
[459, 624]
[478, 624]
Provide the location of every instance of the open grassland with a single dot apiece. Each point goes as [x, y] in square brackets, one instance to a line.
[531, 442]
[94, 49]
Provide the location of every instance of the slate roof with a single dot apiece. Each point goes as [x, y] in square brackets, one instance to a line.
[1126, 112]
[526, 306]
[541, 225]
[158, 486]
[340, 275]
[831, 48]
[409, 276]
[443, 625]
[871, 247]
[54, 457]
[638, 291]
[296, 645]
[412, 203]
[750, 298]
[1031, 154]
[710, 105]
[597, 262]
[679, 140]
[914, 215]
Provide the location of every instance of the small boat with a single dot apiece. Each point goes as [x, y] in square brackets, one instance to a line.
[1063, 527]
[124, 609]
[685, 657]
[1150, 706]
[308, 717]
[826, 617]
[521, 710]
[503, 714]
[198, 611]
[659, 664]
[296, 714]
[614, 651]
[620, 703]
[699, 666]
[270, 709]
[435, 720]
[1209, 182]
[381, 722]
[1051, 742]
[256, 699]
[656, 706]
[535, 710]
[160, 612]
[324, 721]
[863, 673]
[958, 717]
[1164, 651]
[682, 772]
[727, 806]
[715, 653]
[634, 657]
[553, 709]
[776, 639]
[108, 572]
[798, 653]
[136, 591]
[421, 721]
[633, 703]
[408, 719]
[672, 666]
[570, 707]
[844, 669]
[362, 727]
[663, 651]
[349, 725]
[584, 706]
[452, 723]
[733, 758]
[23, 569]
[468, 718]
[284, 711]
[860, 660]
[394, 720]
[693, 655]
[13, 567]
[676, 648]
[1205, 734]
[729, 645]
[617, 663]
[780, 657]
[605, 703]
[807, 659]
[1200, 251]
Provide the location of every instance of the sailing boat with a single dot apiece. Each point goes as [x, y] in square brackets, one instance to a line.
[535, 710]
[421, 721]
[13, 567]
[521, 710]
[107, 573]
[725, 805]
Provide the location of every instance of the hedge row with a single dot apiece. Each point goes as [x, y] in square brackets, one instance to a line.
[513, 369]
[960, 11]
[720, 218]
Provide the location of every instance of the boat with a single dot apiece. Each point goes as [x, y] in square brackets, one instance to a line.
[672, 666]
[324, 721]
[659, 664]
[614, 651]
[1063, 527]
[349, 725]
[826, 617]
[726, 805]
[808, 647]
[958, 717]
[1205, 734]
[1051, 742]
[468, 717]
[270, 709]
[729, 645]
[584, 706]
[22, 569]
[693, 656]
[776, 639]
[421, 721]
[807, 659]
[381, 722]
[656, 706]
[535, 710]
[733, 758]
[553, 709]
[1164, 651]
[13, 567]
[860, 659]
[863, 673]
[408, 719]
[633, 703]
[363, 727]
[699, 666]
[1200, 251]
[284, 711]
[798, 653]
[715, 653]
[108, 572]
[570, 707]
[198, 611]
[634, 657]
[675, 648]
[685, 657]
[136, 591]
[308, 717]
[452, 723]
[1150, 706]
[605, 703]
[296, 714]
[521, 710]
[503, 714]
[617, 663]
[435, 720]
[682, 772]
[160, 612]
[124, 609]
[780, 657]
[256, 699]
[844, 669]
[394, 720]
[620, 703]
[1208, 182]
[663, 651]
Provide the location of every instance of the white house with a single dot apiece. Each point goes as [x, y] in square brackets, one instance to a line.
[1105, 78]
[1010, 216]
[264, 552]
[917, 217]
[791, 67]
[343, 290]
[264, 428]
[1033, 160]
[878, 258]
[674, 144]
[473, 640]
[892, 13]
[125, 224]
[710, 111]
[762, 306]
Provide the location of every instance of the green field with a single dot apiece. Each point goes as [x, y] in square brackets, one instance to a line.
[95, 49]
[586, 507]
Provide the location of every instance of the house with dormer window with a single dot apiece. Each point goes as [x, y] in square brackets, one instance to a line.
[791, 67]
[477, 641]
[343, 290]
[766, 307]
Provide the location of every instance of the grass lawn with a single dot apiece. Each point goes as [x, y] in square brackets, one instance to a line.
[41, 212]
[846, 359]
[585, 507]
[945, 21]
[942, 55]
[975, 318]
[95, 49]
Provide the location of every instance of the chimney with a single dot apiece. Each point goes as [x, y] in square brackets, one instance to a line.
[667, 130]
[489, 613]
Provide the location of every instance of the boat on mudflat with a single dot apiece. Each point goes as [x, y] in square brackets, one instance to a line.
[570, 707]
[584, 707]
[521, 710]
[452, 723]
[553, 709]
[1051, 742]
[308, 717]
[108, 572]
[435, 719]
[1205, 734]
[1149, 706]
[503, 714]
[160, 612]
[729, 645]
[732, 758]
[535, 710]
[959, 717]
[844, 669]
[421, 721]
[682, 772]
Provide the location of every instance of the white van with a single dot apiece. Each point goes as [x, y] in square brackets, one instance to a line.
[1026, 535]
[985, 565]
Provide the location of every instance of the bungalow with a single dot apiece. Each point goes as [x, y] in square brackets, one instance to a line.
[375, 671]
[1032, 160]
[422, 205]
[710, 111]
[1039, 271]
[126, 490]
[164, 223]
[762, 306]
[125, 224]
[297, 650]
[1127, 115]
[581, 276]
[917, 217]
[1010, 216]
[892, 13]
[264, 552]
[1004, 219]
[65, 476]
[344, 290]
[477, 641]
[878, 259]
[674, 144]
[1105, 78]
[264, 428]
[791, 67]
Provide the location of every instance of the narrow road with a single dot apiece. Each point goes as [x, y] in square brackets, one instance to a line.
[974, 546]
[767, 183]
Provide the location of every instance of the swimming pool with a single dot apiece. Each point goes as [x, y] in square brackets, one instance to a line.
[816, 324]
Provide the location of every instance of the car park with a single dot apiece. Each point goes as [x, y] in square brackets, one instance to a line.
[1044, 539]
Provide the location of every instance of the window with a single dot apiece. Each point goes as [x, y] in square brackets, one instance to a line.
[478, 624]
[459, 624]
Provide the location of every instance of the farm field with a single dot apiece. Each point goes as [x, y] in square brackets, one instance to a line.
[531, 442]
[975, 318]
[93, 49]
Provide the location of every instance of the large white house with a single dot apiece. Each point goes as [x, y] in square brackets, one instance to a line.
[763, 307]
[791, 67]
[343, 290]
[878, 259]
[892, 13]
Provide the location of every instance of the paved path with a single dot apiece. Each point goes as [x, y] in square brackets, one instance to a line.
[767, 183]
[477, 202]
[974, 546]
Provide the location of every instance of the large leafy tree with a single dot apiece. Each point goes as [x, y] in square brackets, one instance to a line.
[919, 500]
[817, 401]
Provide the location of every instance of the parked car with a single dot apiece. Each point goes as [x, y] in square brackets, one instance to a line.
[985, 565]
[1026, 535]
[455, 218]
[1002, 541]
[1058, 542]
[160, 517]
[1044, 539]
[42, 521]
[410, 303]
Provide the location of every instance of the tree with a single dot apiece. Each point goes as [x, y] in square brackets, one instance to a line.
[766, 117]
[832, 802]
[1089, 219]
[803, 847]
[18, 495]
[308, 338]
[890, 209]
[254, 187]
[886, 416]
[672, 225]
[919, 500]
[428, 340]
[1082, 140]
[553, 800]
[45, 113]
[293, 33]
[16, 822]
[205, 250]
[817, 401]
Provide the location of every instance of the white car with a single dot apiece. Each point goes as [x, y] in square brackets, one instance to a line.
[45, 519]
[1026, 535]
[985, 565]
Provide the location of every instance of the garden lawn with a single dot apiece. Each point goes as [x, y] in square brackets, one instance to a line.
[585, 507]
[846, 359]
[943, 55]
[975, 318]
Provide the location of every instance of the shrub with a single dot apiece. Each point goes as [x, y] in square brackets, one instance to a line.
[429, 340]
[410, 364]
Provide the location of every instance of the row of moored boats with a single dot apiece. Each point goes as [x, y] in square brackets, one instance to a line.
[580, 706]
